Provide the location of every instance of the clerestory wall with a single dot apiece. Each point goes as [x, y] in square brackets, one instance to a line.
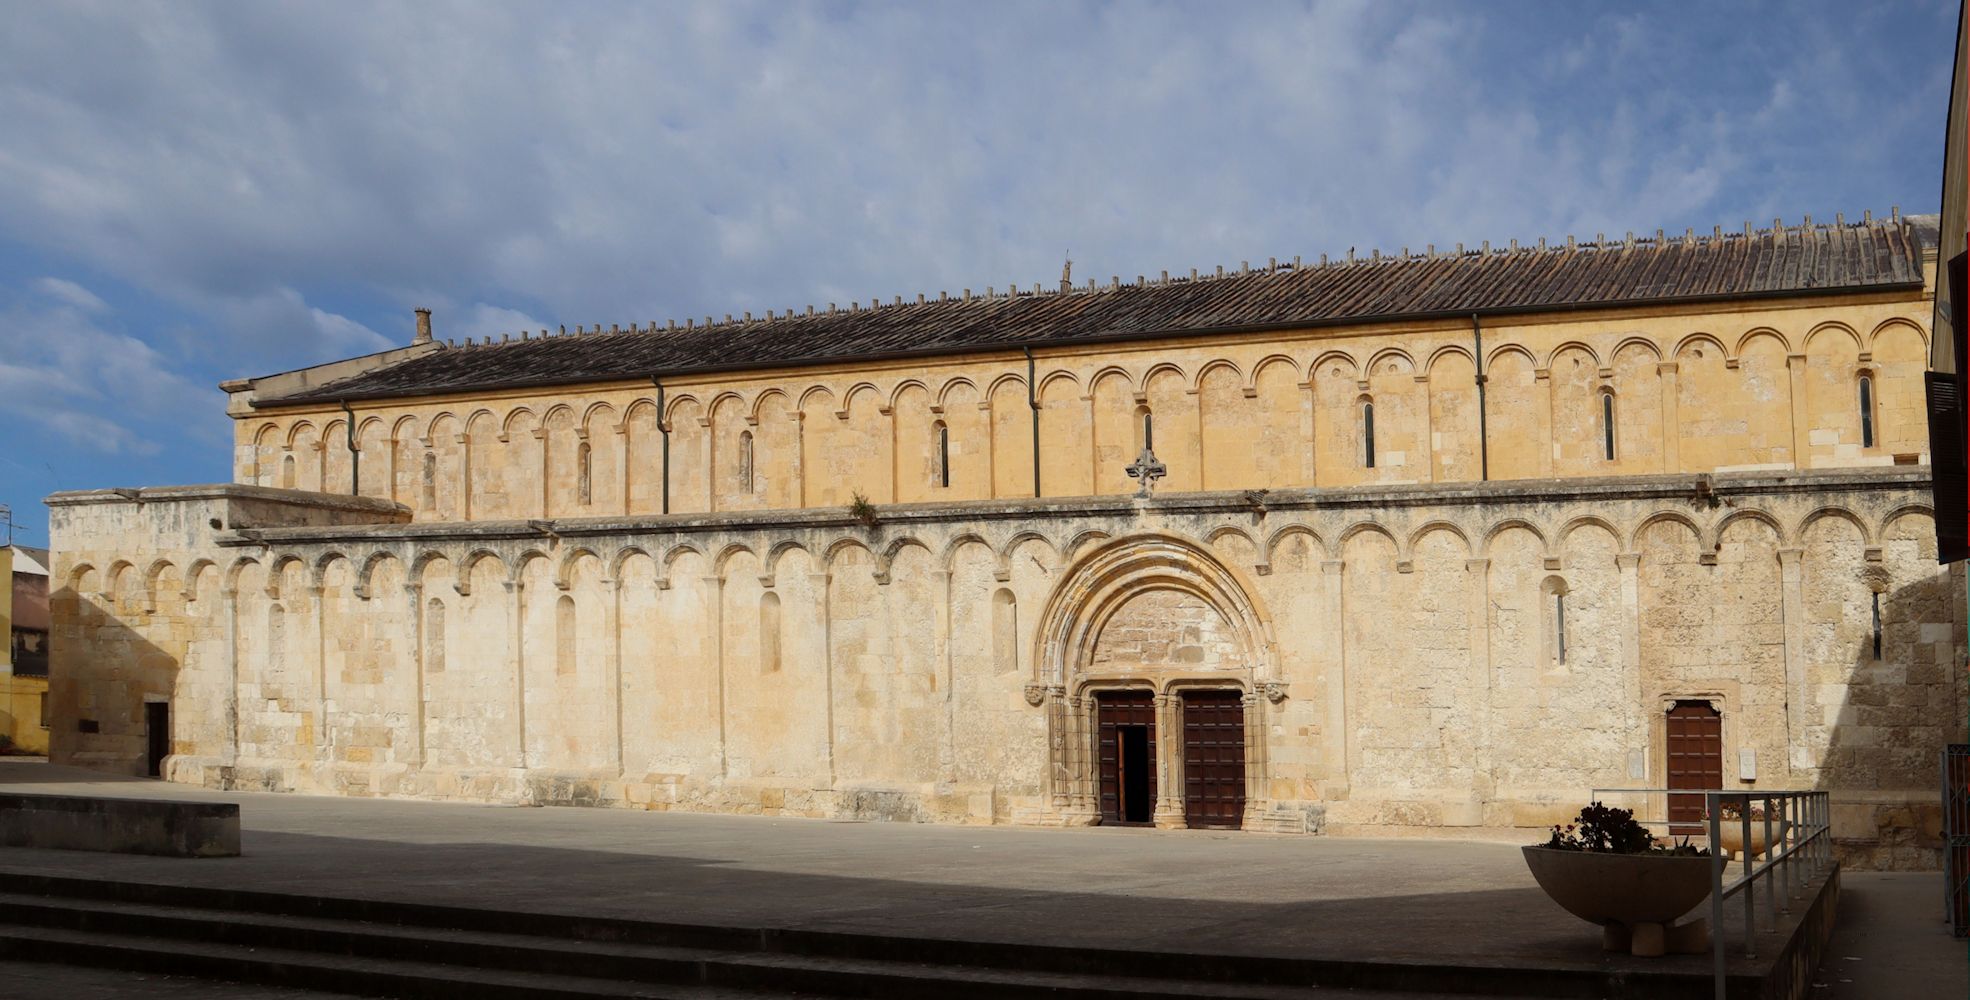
[1403, 662]
[1750, 385]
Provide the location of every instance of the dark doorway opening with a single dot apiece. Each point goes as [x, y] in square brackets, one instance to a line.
[1696, 762]
[1125, 746]
[1213, 759]
[157, 736]
[1135, 774]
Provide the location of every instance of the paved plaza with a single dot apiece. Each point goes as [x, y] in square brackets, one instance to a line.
[1426, 901]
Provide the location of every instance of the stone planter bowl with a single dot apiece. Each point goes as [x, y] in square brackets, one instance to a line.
[1730, 833]
[1628, 889]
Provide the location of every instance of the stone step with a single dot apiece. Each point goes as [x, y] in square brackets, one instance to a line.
[684, 955]
[368, 977]
[524, 969]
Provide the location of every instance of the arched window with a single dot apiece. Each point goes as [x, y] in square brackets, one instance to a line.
[1607, 425]
[1147, 423]
[769, 633]
[565, 636]
[1005, 631]
[943, 455]
[276, 636]
[1367, 434]
[745, 461]
[1867, 410]
[584, 474]
[434, 636]
[287, 472]
[1877, 625]
[1553, 593]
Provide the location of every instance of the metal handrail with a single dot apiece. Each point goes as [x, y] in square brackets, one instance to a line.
[1799, 851]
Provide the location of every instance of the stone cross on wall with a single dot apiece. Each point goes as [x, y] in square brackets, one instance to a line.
[1147, 470]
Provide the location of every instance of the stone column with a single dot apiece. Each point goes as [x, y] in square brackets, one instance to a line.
[1485, 781]
[465, 476]
[1169, 763]
[1340, 738]
[390, 484]
[1795, 365]
[1549, 450]
[518, 610]
[710, 454]
[1629, 564]
[612, 624]
[1798, 690]
[1084, 801]
[819, 584]
[324, 755]
[1309, 434]
[414, 593]
[947, 763]
[540, 435]
[1258, 783]
[624, 458]
[799, 470]
[1058, 777]
[231, 596]
[1427, 441]
[1671, 421]
[715, 587]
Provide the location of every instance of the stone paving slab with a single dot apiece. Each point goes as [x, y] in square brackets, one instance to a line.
[1227, 893]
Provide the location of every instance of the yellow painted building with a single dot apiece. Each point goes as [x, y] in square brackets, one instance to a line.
[1440, 541]
[24, 674]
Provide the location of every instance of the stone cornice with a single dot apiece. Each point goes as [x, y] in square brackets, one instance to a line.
[1684, 487]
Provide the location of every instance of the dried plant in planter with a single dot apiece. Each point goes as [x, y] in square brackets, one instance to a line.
[1604, 829]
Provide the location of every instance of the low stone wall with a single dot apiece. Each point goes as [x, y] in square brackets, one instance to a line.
[123, 826]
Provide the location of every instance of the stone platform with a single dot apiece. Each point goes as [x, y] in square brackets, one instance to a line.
[1418, 915]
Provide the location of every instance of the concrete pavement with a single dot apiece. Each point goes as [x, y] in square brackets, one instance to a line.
[1240, 894]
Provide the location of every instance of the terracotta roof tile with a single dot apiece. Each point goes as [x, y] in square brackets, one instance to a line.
[1877, 254]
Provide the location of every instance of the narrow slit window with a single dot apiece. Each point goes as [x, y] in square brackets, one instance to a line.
[1877, 625]
[1607, 425]
[1148, 429]
[584, 473]
[1867, 411]
[287, 478]
[745, 461]
[1368, 435]
[1559, 624]
[943, 454]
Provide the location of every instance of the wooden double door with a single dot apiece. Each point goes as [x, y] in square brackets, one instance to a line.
[1212, 727]
[1696, 762]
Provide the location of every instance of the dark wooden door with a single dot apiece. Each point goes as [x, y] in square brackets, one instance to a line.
[1125, 746]
[157, 735]
[1213, 759]
[1696, 761]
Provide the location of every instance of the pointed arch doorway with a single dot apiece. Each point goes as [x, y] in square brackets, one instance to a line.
[1156, 664]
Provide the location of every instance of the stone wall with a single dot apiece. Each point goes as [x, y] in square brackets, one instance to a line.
[1473, 657]
[1753, 385]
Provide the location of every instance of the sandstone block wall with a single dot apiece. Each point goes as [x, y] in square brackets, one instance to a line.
[1712, 388]
[1404, 661]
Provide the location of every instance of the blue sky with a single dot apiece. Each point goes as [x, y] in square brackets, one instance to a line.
[191, 192]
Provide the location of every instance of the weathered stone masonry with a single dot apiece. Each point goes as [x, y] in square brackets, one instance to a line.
[1391, 647]
[1374, 592]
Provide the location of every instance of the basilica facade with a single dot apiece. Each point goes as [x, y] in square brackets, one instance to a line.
[1411, 543]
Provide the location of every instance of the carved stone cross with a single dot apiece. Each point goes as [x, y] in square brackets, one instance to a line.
[1146, 470]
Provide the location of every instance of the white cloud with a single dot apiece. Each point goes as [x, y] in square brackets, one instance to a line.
[282, 169]
[96, 389]
[72, 293]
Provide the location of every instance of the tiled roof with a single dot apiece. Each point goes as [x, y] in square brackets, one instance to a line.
[1871, 255]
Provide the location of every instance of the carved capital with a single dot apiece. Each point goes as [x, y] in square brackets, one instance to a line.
[1274, 691]
[1628, 560]
[1035, 694]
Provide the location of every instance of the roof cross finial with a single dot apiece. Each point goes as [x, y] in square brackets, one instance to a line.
[1067, 272]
